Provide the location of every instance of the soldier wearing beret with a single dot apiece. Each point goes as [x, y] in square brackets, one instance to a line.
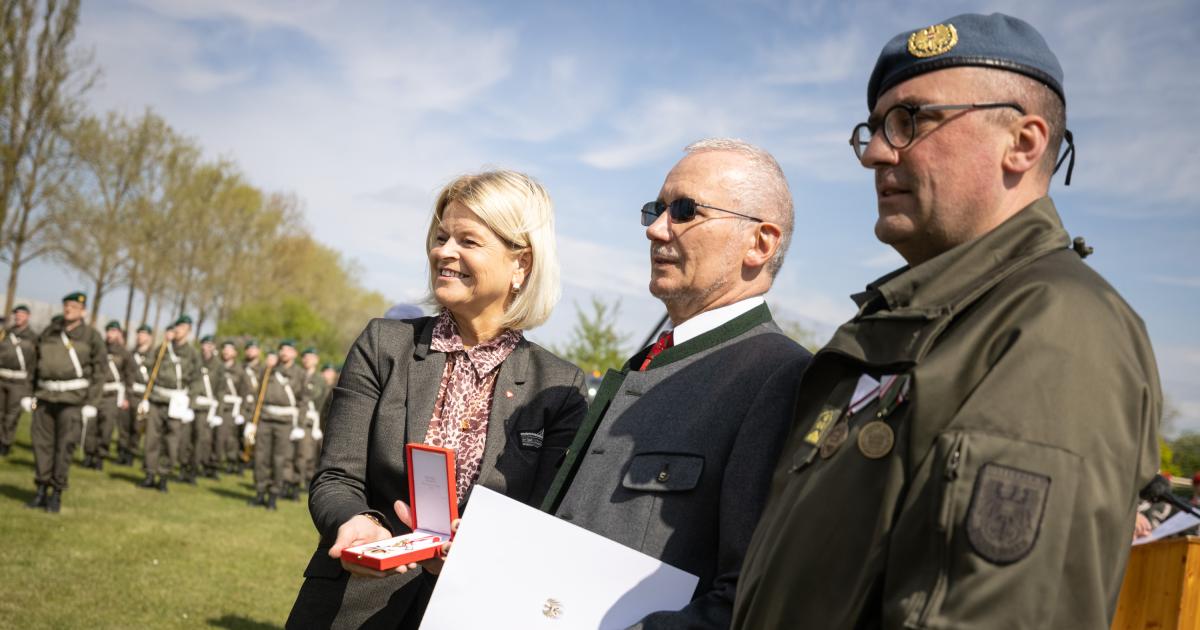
[283, 402]
[195, 449]
[142, 357]
[118, 378]
[251, 367]
[968, 449]
[308, 446]
[67, 386]
[230, 387]
[167, 409]
[18, 361]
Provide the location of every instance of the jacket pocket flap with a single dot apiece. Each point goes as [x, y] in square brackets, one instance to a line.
[663, 472]
[322, 566]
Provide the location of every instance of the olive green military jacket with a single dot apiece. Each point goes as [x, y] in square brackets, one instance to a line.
[180, 368]
[206, 384]
[1023, 419]
[59, 378]
[18, 353]
[231, 391]
[119, 371]
[251, 381]
[316, 392]
[142, 365]
[277, 395]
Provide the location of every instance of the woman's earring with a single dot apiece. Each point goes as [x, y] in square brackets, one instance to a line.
[516, 287]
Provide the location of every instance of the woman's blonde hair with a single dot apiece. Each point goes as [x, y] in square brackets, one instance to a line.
[519, 211]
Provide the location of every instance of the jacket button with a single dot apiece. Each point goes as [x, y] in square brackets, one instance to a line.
[663, 476]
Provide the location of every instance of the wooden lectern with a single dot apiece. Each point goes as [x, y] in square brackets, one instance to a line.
[1162, 586]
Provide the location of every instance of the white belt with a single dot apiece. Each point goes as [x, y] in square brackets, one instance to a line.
[114, 387]
[199, 404]
[65, 386]
[139, 388]
[167, 392]
[14, 374]
[278, 410]
[231, 399]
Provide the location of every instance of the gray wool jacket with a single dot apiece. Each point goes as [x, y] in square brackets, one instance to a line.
[676, 461]
[383, 400]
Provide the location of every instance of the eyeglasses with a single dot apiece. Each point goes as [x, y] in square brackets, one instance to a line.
[900, 124]
[682, 210]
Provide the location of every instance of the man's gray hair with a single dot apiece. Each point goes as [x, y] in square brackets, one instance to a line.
[762, 193]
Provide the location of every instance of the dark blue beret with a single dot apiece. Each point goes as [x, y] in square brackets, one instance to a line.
[991, 41]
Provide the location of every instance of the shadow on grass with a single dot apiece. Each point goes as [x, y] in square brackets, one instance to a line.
[234, 622]
[231, 494]
[24, 495]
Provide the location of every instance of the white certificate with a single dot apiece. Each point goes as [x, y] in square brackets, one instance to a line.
[513, 566]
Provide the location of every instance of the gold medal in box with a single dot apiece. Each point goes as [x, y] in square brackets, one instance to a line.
[434, 505]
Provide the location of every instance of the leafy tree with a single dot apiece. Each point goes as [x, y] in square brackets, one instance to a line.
[595, 344]
[798, 332]
[271, 322]
[1186, 453]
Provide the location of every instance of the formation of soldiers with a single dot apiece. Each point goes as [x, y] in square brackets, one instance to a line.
[195, 412]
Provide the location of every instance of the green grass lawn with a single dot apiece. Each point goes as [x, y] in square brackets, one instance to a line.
[118, 556]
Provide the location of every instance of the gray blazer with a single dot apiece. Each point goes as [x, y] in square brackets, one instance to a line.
[676, 461]
[383, 400]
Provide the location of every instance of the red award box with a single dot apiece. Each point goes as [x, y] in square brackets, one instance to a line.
[433, 505]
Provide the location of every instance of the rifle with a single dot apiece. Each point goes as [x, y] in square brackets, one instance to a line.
[154, 376]
[262, 394]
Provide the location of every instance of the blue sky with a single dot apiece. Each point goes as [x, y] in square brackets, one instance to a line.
[364, 109]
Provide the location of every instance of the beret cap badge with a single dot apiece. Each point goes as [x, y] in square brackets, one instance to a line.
[933, 40]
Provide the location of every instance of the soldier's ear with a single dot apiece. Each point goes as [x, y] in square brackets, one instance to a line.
[1028, 141]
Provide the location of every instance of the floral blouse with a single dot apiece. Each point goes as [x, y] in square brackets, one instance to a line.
[464, 401]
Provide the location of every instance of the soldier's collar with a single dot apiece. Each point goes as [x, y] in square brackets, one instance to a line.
[940, 282]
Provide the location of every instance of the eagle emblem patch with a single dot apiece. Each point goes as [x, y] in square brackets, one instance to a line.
[1006, 512]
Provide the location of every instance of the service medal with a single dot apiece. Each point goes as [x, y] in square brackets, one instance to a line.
[833, 441]
[876, 439]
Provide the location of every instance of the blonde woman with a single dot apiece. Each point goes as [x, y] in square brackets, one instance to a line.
[465, 379]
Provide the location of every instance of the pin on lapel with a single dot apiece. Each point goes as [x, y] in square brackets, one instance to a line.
[508, 393]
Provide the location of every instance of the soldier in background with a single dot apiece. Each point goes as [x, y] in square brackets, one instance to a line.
[307, 447]
[67, 386]
[231, 408]
[195, 450]
[118, 377]
[250, 383]
[168, 408]
[279, 421]
[142, 363]
[18, 360]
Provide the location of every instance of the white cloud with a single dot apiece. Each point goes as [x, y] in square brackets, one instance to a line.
[1192, 282]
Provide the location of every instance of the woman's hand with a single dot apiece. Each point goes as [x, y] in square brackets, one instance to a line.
[360, 530]
[433, 565]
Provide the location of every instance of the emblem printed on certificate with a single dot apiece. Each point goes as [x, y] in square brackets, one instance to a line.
[552, 609]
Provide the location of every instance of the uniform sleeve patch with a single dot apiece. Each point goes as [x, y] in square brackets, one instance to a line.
[1005, 516]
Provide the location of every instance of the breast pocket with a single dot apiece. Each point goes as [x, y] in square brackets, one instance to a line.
[663, 472]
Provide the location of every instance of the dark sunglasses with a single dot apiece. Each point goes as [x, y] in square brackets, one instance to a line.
[682, 210]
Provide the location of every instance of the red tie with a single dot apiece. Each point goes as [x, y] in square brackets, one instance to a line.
[665, 341]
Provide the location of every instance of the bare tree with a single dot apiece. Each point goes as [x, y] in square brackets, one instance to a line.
[41, 84]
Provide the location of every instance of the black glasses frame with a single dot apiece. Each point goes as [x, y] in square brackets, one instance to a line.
[859, 143]
[682, 210]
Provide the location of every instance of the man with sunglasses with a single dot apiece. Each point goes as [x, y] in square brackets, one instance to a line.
[968, 449]
[675, 456]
